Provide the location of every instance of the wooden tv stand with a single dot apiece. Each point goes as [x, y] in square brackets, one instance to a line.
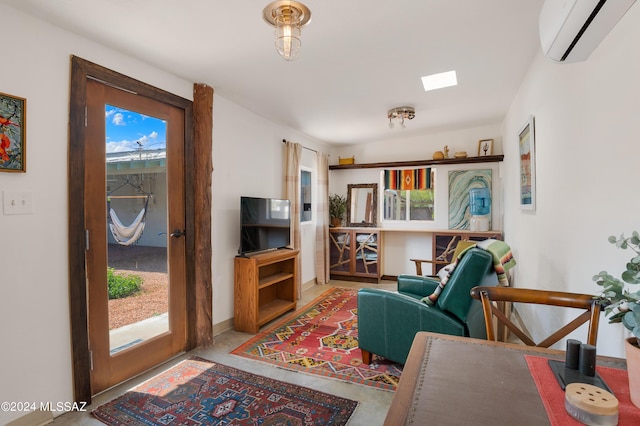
[264, 288]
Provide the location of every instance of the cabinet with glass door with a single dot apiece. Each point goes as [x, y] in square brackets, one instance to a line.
[355, 254]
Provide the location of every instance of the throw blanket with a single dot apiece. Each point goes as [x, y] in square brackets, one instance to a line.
[444, 274]
[503, 259]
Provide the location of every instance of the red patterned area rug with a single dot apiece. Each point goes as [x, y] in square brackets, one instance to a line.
[201, 392]
[322, 339]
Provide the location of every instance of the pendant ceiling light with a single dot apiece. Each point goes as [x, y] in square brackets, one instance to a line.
[287, 17]
[400, 113]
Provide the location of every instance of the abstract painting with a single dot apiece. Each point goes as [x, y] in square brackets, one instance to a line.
[460, 182]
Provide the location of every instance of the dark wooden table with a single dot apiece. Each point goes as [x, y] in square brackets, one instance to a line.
[450, 380]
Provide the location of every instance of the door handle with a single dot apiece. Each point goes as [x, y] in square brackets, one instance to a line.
[178, 233]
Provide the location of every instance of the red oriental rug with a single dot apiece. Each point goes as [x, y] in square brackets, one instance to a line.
[322, 339]
[201, 392]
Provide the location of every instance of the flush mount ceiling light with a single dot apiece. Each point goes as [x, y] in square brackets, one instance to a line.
[400, 113]
[287, 17]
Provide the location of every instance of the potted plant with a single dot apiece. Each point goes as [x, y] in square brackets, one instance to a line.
[337, 208]
[623, 305]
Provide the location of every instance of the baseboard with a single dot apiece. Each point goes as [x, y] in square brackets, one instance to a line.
[223, 326]
[34, 418]
[309, 284]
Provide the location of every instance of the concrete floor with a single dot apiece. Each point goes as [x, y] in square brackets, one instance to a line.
[122, 337]
[373, 403]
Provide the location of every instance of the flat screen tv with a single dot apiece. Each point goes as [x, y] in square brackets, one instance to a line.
[264, 224]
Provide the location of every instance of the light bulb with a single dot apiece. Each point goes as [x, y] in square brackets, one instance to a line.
[288, 33]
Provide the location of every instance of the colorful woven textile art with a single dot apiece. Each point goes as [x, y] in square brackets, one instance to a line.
[200, 392]
[322, 339]
[407, 179]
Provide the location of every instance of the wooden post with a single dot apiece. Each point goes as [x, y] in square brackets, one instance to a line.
[203, 168]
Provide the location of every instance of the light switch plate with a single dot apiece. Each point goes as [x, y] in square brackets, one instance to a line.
[17, 202]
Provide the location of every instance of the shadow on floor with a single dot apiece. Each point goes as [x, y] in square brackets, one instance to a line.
[138, 258]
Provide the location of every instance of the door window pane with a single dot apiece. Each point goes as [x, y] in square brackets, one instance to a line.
[136, 184]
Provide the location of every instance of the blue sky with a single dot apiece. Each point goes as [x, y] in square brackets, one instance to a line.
[127, 130]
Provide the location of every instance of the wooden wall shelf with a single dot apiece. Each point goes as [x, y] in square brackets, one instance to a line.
[419, 163]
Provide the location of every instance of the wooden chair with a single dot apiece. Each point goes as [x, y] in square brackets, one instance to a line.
[586, 302]
[448, 256]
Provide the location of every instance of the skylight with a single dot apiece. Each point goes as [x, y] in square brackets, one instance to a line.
[438, 81]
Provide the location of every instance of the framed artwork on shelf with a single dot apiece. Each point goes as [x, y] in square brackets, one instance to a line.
[485, 147]
[12, 133]
[526, 141]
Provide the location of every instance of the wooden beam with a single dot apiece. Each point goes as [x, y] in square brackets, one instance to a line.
[79, 320]
[203, 169]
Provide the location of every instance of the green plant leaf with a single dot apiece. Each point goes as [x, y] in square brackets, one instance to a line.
[614, 290]
[337, 205]
[122, 285]
[631, 320]
[631, 277]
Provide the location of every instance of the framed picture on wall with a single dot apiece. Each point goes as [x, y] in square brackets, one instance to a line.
[12, 133]
[485, 147]
[526, 141]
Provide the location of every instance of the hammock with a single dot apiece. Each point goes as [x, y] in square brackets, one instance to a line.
[127, 235]
[123, 234]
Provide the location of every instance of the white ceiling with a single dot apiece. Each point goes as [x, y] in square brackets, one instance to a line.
[359, 58]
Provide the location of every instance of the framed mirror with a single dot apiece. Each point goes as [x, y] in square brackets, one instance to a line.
[362, 204]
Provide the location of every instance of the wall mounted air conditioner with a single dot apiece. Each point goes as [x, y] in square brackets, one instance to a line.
[571, 29]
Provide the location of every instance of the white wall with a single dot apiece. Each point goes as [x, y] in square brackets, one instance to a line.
[35, 361]
[587, 153]
[248, 159]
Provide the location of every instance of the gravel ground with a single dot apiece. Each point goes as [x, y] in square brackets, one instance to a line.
[151, 264]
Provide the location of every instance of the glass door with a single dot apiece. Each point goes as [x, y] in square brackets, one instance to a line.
[134, 215]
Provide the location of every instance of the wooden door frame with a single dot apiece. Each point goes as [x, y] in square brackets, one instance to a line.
[81, 70]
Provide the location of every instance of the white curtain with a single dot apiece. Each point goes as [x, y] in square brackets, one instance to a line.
[322, 220]
[293, 153]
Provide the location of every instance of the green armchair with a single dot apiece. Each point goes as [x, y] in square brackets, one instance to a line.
[388, 321]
